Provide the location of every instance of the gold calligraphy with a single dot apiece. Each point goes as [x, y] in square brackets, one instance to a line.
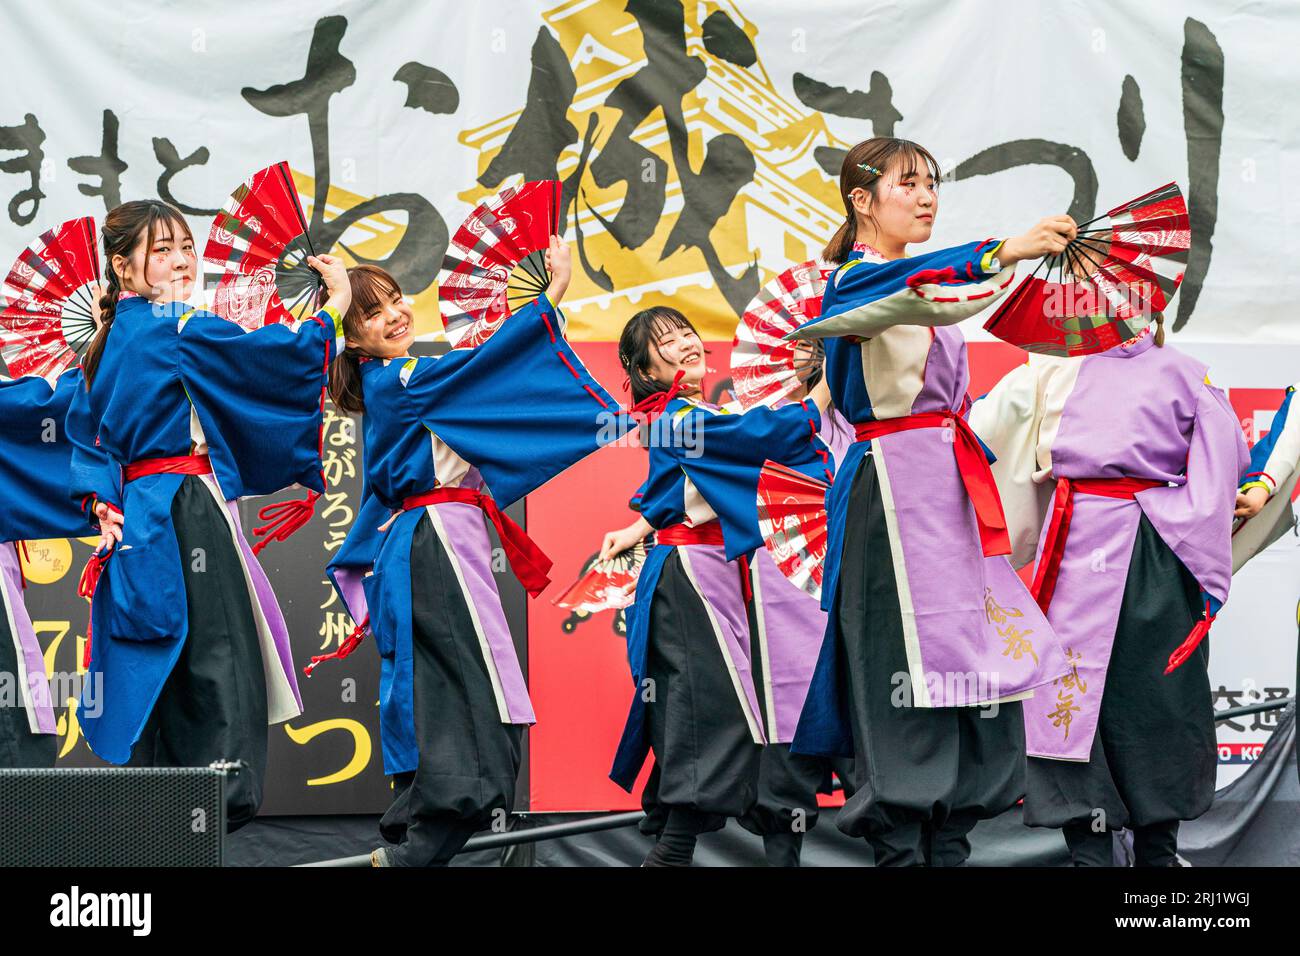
[1016, 643]
[1072, 682]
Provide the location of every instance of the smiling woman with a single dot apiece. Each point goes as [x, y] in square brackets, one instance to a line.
[186, 635]
[443, 458]
[695, 702]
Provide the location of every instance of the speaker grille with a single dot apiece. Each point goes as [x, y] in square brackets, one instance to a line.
[120, 816]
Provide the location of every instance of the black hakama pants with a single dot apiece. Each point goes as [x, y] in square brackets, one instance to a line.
[1154, 755]
[706, 759]
[19, 747]
[468, 759]
[924, 776]
[213, 704]
[788, 784]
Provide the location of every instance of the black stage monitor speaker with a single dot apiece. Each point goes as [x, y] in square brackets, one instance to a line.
[117, 816]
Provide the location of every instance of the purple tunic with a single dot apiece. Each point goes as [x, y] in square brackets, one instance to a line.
[971, 632]
[1134, 411]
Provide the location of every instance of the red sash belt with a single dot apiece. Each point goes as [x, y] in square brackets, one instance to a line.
[177, 465]
[708, 533]
[1058, 527]
[527, 560]
[972, 464]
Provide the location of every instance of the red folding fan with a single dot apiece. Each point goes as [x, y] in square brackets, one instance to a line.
[1107, 285]
[47, 304]
[609, 584]
[259, 241]
[496, 262]
[764, 367]
[792, 520]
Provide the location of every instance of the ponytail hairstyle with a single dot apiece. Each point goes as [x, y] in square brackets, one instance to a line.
[865, 165]
[640, 335]
[121, 234]
[1160, 329]
[372, 288]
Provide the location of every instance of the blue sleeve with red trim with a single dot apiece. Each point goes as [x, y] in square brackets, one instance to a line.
[861, 285]
[723, 456]
[521, 407]
[36, 459]
[258, 398]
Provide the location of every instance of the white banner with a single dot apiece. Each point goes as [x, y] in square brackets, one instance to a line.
[694, 141]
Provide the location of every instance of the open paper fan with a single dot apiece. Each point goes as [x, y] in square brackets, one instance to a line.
[1109, 283]
[792, 520]
[47, 305]
[259, 241]
[609, 584]
[496, 261]
[764, 368]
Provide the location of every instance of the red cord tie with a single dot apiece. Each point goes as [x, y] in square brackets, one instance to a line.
[284, 518]
[1193, 641]
[945, 276]
[350, 644]
[648, 409]
[86, 588]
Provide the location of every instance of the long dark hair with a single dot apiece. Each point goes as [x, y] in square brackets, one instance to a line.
[878, 153]
[121, 232]
[640, 335]
[372, 287]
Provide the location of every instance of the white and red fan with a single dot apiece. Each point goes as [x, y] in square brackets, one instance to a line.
[764, 367]
[496, 261]
[260, 243]
[792, 520]
[607, 585]
[1109, 283]
[47, 306]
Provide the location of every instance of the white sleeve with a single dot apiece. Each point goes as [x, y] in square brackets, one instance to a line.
[1007, 421]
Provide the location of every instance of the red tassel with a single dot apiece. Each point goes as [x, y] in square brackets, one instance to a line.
[284, 518]
[90, 575]
[86, 588]
[350, 644]
[1185, 649]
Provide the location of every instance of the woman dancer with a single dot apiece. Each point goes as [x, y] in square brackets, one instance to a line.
[448, 442]
[1132, 565]
[695, 703]
[182, 414]
[927, 620]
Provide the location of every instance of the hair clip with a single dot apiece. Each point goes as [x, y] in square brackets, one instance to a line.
[870, 169]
